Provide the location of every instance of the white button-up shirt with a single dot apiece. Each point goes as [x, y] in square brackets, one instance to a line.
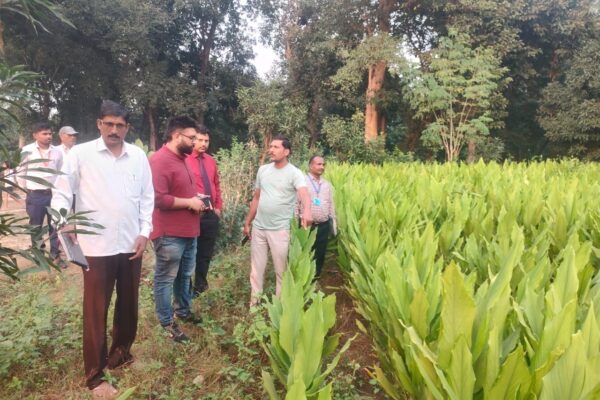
[117, 189]
[51, 158]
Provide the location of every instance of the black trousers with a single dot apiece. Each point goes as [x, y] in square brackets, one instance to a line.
[209, 228]
[35, 205]
[320, 246]
[98, 285]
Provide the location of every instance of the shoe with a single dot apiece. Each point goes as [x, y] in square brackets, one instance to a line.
[104, 391]
[191, 319]
[61, 263]
[122, 363]
[198, 290]
[175, 333]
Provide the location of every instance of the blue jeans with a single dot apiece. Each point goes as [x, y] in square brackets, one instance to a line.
[175, 264]
[35, 205]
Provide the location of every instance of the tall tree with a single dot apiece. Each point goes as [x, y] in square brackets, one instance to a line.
[455, 92]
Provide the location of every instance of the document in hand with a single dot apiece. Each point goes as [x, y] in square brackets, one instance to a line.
[72, 250]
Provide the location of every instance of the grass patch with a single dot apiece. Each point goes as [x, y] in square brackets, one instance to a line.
[41, 356]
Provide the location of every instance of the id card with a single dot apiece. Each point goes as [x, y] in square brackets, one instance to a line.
[317, 201]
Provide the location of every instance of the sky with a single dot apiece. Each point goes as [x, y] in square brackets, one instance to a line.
[264, 61]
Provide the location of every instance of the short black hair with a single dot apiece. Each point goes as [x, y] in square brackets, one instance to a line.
[311, 159]
[113, 109]
[285, 142]
[179, 122]
[202, 129]
[40, 126]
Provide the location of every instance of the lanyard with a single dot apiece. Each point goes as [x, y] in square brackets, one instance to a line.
[317, 189]
[47, 159]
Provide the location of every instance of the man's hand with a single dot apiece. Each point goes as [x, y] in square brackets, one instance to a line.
[247, 230]
[138, 247]
[69, 230]
[196, 204]
[218, 212]
[306, 219]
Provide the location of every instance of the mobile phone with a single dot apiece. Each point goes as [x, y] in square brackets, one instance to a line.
[245, 240]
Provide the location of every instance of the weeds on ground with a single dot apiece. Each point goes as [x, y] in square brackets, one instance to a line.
[41, 328]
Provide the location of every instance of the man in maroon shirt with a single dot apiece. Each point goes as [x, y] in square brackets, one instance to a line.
[176, 221]
[207, 184]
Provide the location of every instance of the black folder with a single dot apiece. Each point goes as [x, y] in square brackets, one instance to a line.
[72, 250]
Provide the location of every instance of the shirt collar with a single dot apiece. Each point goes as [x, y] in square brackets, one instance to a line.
[101, 146]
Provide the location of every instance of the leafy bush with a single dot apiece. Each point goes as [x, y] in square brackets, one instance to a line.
[300, 320]
[237, 174]
[477, 281]
[32, 327]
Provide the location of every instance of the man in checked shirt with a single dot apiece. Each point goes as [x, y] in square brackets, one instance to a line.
[322, 208]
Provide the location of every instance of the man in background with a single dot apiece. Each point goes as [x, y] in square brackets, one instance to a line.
[113, 182]
[271, 210]
[68, 139]
[176, 222]
[40, 154]
[322, 209]
[207, 185]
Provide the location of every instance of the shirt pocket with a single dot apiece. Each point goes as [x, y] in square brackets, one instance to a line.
[132, 185]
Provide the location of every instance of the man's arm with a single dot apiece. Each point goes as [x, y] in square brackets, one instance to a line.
[306, 218]
[332, 211]
[165, 201]
[218, 200]
[251, 212]
[21, 169]
[146, 208]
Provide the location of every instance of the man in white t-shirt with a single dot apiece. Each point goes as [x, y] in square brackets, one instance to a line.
[272, 208]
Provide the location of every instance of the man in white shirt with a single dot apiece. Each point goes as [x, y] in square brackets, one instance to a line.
[112, 179]
[68, 139]
[38, 159]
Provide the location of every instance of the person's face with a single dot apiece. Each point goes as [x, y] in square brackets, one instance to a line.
[68, 140]
[317, 166]
[43, 138]
[185, 140]
[202, 142]
[277, 152]
[113, 130]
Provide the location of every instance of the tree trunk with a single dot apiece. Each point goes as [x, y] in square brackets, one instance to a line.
[471, 151]
[313, 118]
[266, 143]
[1, 39]
[373, 115]
[372, 111]
[152, 124]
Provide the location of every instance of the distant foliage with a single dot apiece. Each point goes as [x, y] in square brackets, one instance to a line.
[570, 109]
[237, 173]
[345, 138]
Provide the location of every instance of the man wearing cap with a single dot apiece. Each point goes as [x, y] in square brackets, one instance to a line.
[68, 139]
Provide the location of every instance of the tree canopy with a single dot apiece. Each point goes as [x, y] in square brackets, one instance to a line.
[341, 65]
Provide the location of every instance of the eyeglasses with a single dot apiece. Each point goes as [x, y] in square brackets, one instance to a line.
[191, 137]
[111, 125]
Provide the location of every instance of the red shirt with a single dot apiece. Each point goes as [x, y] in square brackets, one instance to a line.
[172, 178]
[213, 176]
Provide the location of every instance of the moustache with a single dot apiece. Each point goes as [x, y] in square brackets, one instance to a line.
[113, 135]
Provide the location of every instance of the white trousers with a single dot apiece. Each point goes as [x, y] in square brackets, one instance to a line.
[262, 240]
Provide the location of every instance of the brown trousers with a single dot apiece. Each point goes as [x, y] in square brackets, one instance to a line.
[98, 284]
